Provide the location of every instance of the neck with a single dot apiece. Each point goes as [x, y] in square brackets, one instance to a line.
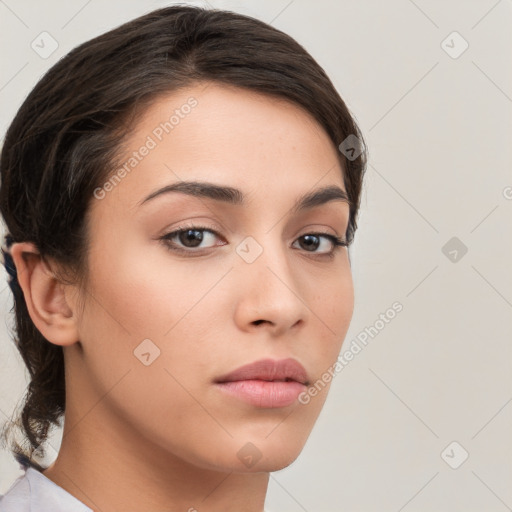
[119, 470]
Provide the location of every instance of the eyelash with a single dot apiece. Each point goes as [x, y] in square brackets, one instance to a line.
[166, 240]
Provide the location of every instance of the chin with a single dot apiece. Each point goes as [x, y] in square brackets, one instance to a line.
[275, 463]
[258, 464]
[266, 454]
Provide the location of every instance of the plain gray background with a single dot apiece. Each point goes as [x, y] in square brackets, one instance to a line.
[434, 384]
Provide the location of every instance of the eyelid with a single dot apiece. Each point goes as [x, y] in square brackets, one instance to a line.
[336, 241]
[165, 238]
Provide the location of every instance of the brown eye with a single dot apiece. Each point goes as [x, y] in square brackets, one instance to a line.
[186, 239]
[190, 237]
[312, 241]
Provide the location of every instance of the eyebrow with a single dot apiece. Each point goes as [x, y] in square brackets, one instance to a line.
[234, 196]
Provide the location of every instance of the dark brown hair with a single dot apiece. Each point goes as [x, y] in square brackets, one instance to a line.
[64, 141]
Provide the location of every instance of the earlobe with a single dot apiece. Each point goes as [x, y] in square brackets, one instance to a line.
[44, 295]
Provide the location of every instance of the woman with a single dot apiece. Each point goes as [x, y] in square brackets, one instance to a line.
[180, 194]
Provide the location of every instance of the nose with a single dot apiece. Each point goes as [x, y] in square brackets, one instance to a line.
[270, 293]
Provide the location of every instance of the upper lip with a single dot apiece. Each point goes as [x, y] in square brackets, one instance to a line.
[269, 370]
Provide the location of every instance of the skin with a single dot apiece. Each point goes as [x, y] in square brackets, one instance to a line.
[163, 437]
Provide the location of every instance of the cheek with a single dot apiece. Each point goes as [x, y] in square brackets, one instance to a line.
[340, 304]
[334, 301]
[332, 308]
[146, 291]
[131, 300]
[147, 295]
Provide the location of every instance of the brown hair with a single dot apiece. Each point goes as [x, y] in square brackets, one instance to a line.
[63, 143]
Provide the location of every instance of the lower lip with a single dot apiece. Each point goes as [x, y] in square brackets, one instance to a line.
[263, 393]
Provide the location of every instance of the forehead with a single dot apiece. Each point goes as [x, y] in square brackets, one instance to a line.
[228, 135]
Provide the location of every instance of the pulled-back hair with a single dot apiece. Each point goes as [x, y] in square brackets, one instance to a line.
[65, 140]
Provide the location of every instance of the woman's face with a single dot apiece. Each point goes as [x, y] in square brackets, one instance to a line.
[168, 317]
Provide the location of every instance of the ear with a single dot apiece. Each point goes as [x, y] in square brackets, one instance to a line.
[44, 295]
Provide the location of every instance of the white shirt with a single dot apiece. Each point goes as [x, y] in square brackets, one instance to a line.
[34, 492]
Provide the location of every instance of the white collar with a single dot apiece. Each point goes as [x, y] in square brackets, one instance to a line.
[35, 492]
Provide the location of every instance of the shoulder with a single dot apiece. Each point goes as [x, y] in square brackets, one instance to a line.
[34, 492]
[17, 497]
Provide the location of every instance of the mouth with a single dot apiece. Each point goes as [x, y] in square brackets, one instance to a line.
[266, 383]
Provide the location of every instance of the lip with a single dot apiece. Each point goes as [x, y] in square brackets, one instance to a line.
[266, 383]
